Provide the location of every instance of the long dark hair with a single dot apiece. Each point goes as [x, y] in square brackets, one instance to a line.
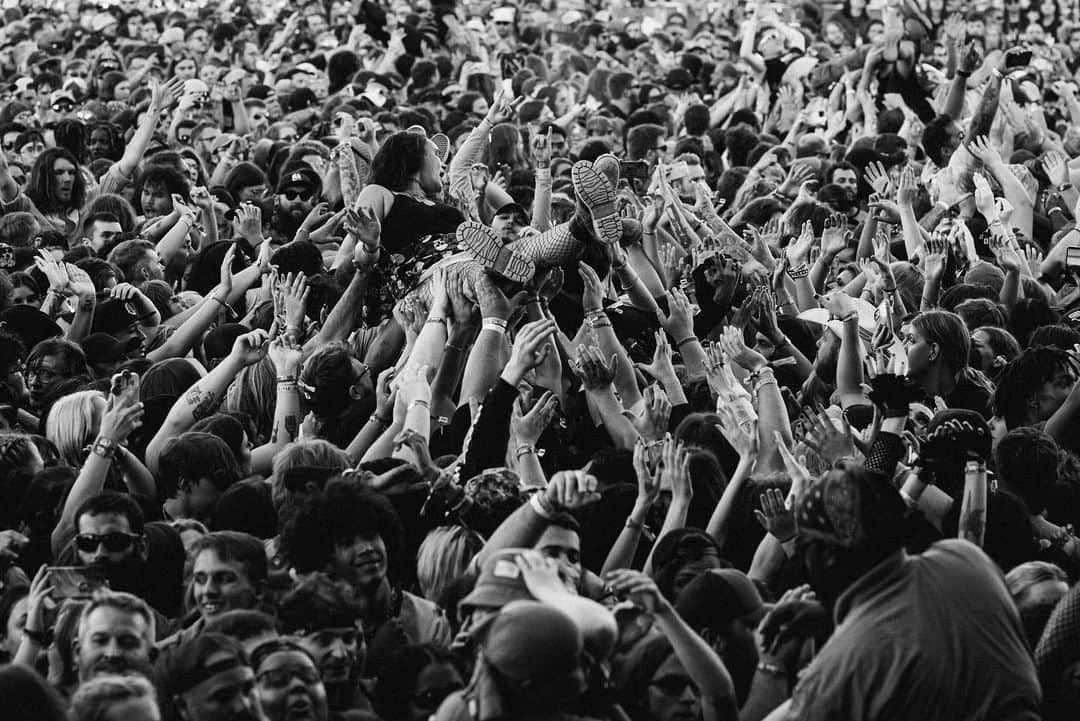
[400, 157]
[42, 186]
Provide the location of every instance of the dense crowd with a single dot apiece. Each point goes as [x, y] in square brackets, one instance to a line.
[647, 361]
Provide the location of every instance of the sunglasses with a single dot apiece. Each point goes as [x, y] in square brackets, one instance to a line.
[63, 107]
[296, 194]
[674, 685]
[114, 542]
[279, 678]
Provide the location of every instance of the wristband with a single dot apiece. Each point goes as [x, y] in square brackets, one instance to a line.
[524, 450]
[493, 320]
[684, 341]
[418, 402]
[963, 73]
[493, 327]
[771, 669]
[104, 447]
[440, 321]
[451, 346]
[375, 417]
[542, 506]
[599, 324]
[891, 290]
[40, 638]
[800, 272]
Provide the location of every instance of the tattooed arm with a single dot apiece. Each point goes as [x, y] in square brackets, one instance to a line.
[286, 357]
[203, 398]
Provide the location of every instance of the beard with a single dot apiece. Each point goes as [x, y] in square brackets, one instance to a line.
[127, 575]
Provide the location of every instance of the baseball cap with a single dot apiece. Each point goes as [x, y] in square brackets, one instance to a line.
[30, 324]
[170, 36]
[62, 94]
[112, 315]
[677, 79]
[529, 640]
[305, 178]
[500, 582]
[306, 69]
[503, 15]
[203, 657]
[103, 348]
[218, 343]
[721, 594]
[520, 215]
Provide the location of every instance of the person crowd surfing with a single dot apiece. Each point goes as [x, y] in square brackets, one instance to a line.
[400, 360]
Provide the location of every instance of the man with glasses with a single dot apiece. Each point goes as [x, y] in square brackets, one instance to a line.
[146, 560]
[203, 139]
[297, 193]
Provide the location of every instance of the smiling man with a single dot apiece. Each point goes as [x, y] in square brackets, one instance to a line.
[355, 536]
[229, 573]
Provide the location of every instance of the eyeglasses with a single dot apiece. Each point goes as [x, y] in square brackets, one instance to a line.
[63, 106]
[431, 698]
[279, 678]
[114, 542]
[674, 685]
[296, 194]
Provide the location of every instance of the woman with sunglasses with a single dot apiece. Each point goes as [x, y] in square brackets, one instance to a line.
[287, 682]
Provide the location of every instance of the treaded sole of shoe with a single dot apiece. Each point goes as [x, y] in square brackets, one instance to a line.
[492, 254]
[599, 198]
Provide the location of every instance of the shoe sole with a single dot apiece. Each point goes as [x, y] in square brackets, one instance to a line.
[486, 247]
[596, 193]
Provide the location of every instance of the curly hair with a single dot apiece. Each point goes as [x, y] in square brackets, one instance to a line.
[341, 513]
[400, 157]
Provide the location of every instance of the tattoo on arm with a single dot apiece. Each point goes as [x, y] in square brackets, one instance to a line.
[292, 426]
[202, 403]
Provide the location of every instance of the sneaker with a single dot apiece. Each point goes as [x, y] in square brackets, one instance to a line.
[596, 193]
[489, 250]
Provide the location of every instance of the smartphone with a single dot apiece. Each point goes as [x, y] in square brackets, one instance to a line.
[1018, 59]
[125, 386]
[1072, 256]
[634, 169]
[76, 581]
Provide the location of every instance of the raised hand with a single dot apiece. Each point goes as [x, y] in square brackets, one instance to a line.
[651, 422]
[648, 481]
[528, 426]
[531, 347]
[984, 197]
[661, 367]
[795, 467]
[637, 588]
[592, 296]
[675, 460]
[907, 190]
[735, 348]
[679, 320]
[828, 441]
[295, 293]
[742, 436]
[834, 238]
[775, 517]
[798, 250]
[935, 255]
[251, 347]
[571, 489]
[1054, 163]
[286, 355]
[878, 178]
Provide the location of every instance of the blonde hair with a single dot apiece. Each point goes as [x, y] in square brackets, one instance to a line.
[93, 699]
[443, 557]
[254, 392]
[73, 424]
[1021, 578]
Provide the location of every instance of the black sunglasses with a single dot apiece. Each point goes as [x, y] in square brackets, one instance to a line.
[291, 194]
[674, 686]
[114, 542]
